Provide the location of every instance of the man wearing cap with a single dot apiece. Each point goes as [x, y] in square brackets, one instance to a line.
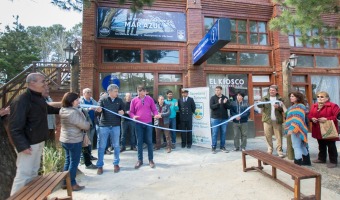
[272, 119]
[187, 108]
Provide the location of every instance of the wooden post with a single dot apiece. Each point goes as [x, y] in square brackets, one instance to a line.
[287, 88]
[75, 74]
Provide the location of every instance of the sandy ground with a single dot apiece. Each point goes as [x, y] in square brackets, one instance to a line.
[196, 173]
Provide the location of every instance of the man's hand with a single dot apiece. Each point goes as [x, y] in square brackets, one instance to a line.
[225, 100]
[219, 100]
[121, 112]
[314, 120]
[158, 116]
[98, 109]
[290, 132]
[238, 118]
[135, 117]
[27, 151]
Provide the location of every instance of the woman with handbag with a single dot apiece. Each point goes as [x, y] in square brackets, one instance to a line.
[321, 113]
[71, 135]
[296, 127]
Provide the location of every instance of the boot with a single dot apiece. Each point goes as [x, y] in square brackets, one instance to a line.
[306, 160]
[298, 161]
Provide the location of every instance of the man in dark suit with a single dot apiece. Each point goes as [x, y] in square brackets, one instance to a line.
[187, 108]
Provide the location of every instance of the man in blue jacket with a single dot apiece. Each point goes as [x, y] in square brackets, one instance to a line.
[240, 123]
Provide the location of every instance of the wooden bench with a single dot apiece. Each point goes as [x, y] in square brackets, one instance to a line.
[297, 172]
[42, 186]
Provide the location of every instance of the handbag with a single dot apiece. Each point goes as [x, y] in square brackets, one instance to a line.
[86, 140]
[328, 130]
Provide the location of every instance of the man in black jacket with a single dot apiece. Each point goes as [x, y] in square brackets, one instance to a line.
[109, 125]
[187, 108]
[219, 106]
[29, 130]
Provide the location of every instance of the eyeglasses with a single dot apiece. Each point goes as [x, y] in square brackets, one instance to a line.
[320, 97]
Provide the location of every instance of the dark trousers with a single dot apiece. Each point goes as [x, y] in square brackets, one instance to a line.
[87, 156]
[186, 136]
[128, 131]
[332, 151]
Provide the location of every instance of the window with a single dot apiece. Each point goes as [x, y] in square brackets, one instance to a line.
[329, 42]
[127, 82]
[305, 61]
[161, 56]
[327, 61]
[121, 55]
[329, 84]
[318, 61]
[134, 56]
[165, 78]
[239, 58]
[261, 79]
[243, 31]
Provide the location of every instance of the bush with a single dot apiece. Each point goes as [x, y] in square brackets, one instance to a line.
[53, 159]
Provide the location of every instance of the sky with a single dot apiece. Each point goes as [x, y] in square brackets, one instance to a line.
[36, 13]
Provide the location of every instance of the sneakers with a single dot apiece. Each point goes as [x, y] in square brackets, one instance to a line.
[236, 149]
[243, 149]
[93, 158]
[91, 167]
[77, 187]
[213, 151]
[173, 146]
[281, 155]
[116, 168]
[223, 149]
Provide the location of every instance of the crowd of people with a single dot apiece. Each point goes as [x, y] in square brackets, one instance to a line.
[113, 120]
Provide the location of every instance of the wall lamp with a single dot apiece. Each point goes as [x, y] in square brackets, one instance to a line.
[292, 62]
[69, 53]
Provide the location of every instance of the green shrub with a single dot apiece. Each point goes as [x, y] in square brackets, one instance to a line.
[53, 159]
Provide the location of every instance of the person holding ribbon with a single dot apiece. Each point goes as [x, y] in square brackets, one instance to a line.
[272, 118]
[164, 110]
[109, 125]
[141, 109]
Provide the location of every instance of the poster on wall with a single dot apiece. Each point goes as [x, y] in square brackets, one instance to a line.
[146, 25]
[201, 132]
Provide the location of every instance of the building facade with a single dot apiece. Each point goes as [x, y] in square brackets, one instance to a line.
[154, 48]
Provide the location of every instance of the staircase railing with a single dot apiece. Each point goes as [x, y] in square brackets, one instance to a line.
[57, 74]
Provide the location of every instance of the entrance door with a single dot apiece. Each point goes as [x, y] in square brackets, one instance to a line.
[259, 92]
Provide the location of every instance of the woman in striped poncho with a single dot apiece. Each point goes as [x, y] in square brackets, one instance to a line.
[296, 127]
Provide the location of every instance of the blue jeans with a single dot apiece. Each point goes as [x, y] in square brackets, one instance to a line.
[223, 131]
[128, 129]
[299, 147]
[144, 134]
[172, 125]
[72, 159]
[104, 133]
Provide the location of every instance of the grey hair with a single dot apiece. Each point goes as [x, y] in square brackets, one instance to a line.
[87, 90]
[112, 87]
[33, 77]
[160, 96]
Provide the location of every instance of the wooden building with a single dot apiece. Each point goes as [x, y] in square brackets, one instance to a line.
[154, 48]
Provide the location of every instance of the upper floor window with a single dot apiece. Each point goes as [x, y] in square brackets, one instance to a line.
[318, 61]
[161, 56]
[244, 31]
[240, 58]
[329, 42]
[134, 56]
[122, 55]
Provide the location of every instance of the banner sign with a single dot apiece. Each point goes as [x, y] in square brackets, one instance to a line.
[201, 132]
[146, 25]
[216, 38]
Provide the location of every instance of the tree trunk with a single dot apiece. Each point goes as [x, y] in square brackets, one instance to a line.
[7, 160]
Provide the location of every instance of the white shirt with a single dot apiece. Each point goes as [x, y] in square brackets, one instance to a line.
[272, 114]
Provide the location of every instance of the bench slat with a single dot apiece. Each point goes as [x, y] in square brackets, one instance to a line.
[42, 186]
[48, 187]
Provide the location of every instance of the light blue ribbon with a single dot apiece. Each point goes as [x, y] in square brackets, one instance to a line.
[128, 118]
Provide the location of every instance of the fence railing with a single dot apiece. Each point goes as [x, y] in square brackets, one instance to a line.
[57, 75]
